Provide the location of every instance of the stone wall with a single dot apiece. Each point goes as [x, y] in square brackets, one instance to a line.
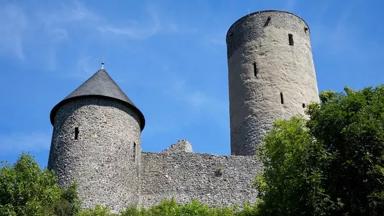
[100, 158]
[214, 180]
[271, 75]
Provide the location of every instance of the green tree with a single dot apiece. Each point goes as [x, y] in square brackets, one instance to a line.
[350, 127]
[292, 180]
[25, 189]
[332, 164]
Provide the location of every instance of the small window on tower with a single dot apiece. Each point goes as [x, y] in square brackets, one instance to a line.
[134, 152]
[255, 69]
[281, 98]
[306, 30]
[290, 38]
[303, 105]
[267, 22]
[76, 133]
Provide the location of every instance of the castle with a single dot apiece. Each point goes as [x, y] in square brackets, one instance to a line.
[96, 128]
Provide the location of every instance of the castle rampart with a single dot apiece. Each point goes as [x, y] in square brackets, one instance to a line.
[214, 180]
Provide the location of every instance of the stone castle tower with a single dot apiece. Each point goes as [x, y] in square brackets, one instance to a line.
[97, 128]
[96, 142]
[271, 74]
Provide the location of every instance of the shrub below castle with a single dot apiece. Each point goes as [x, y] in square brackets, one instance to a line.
[25, 189]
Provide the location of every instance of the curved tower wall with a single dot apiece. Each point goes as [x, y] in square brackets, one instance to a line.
[271, 75]
[102, 155]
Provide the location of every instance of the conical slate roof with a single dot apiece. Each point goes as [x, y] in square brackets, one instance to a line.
[102, 85]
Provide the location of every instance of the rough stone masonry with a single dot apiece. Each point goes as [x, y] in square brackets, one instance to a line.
[97, 128]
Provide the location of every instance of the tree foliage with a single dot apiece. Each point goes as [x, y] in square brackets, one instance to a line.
[25, 189]
[350, 127]
[331, 164]
[292, 179]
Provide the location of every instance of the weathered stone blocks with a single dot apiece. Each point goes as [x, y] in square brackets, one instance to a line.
[271, 75]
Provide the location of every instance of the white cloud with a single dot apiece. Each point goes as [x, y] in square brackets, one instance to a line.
[136, 30]
[131, 32]
[24, 142]
[338, 38]
[73, 12]
[217, 39]
[290, 5]
[85, 66]
[13, 26]
[196, 100]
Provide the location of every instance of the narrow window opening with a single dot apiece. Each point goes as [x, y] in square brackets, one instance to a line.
[267, 22]
[290, 38]
[255, 69]
[281, 98]
[76, 133]
[305, 29]
[134, 152]
[303, 105]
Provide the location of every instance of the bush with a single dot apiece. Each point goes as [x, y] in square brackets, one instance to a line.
[25, 189]
[172, 208]
[97, 211]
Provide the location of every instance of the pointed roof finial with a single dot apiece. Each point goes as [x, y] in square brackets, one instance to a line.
[102, 66]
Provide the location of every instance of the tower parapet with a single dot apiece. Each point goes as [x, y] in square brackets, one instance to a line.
[271, 74]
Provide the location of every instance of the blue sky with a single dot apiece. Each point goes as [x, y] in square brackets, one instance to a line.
[168, 56]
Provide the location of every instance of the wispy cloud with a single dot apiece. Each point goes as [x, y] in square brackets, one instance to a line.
[36, 35]
[339, 37]
[13, 24]
[24, 142]
[71, 12]
[290, 5]
[134, 29]
[131, 32]
[196, 100]
[85, 66]
[216, 39]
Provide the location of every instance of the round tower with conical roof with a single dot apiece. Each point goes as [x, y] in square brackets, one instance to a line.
[271, 74]
[96, 143]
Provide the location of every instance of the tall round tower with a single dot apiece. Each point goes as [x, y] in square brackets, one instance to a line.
[271, 74]
[96, 143]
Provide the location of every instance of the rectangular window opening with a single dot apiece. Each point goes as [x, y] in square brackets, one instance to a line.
[267, 22]
[255, 69]
[134, 152]
[281, 98]
[76, 133]
[290, 38]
